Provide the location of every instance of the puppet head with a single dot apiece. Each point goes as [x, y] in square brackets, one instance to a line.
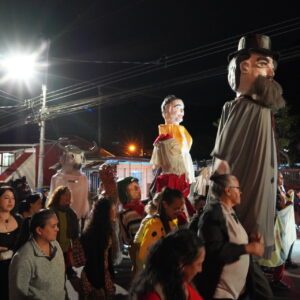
[252, 68]
[172, 110]
[72, 158]
[249, 45]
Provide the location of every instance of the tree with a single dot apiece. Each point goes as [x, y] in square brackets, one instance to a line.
[287, 136]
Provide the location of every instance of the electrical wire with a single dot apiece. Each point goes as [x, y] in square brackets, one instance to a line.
[172, 61]
[181, 55]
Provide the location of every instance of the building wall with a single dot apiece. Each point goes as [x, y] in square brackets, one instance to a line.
[140, 170]
[52, 154]
[27, 169]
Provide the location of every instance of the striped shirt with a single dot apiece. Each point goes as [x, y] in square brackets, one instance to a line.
[130, 222]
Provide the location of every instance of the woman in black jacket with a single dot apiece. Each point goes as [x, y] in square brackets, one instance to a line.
[227, 261]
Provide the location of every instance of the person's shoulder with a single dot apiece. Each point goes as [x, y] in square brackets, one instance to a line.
[25, 250]
[212, 210]
[55, 244]
[126, 216]
[19, 218]
[153, 221]
[71, 211]
[193, 293]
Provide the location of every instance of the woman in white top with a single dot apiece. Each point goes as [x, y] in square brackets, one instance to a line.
[226, 267]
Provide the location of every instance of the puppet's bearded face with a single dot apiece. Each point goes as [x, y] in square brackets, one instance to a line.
[174, 112]
[258, 65]
[268, 92]
[257, 80]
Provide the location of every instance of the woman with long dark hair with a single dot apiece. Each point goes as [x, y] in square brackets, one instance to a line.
[170, 205]
[9, 232]
[171, 265]
[96, 240]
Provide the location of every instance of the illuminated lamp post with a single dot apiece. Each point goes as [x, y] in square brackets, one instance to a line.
[22, 67]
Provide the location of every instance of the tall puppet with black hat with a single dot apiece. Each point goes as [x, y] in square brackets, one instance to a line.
[245, 143]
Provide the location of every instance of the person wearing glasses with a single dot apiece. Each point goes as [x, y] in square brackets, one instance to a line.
[227, 266]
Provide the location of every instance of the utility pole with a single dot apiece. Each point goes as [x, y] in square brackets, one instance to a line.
[43, 112]
[99, 119]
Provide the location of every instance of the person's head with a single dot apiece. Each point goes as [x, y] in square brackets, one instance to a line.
[172, 110]
[199, 202]
[31, 205]
[171, 262]
[44, 225]
[252, 68]
[61, 196]
[7, 199]
[99, 227]
[226, 188]
[280, 178]
[129, 190]
[171, 203]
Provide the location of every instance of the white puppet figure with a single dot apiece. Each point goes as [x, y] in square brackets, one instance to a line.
[172, 147]
[71, 176]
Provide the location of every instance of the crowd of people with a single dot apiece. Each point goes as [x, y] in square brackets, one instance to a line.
[213, 246]
[208, 257]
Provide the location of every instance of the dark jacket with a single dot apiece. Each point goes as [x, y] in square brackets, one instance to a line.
[72, 221]
[219, 251]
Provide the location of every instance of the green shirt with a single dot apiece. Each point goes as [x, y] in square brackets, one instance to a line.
[63, 240]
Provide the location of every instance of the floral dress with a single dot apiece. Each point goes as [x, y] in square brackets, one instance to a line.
[108, 290]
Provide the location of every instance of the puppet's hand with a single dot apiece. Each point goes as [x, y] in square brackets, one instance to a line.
[107, 174]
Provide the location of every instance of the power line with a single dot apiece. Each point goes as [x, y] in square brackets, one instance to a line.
[172, 59]
[219, 46]
[73, 106]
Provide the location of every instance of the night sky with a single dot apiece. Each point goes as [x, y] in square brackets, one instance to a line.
[139, 52]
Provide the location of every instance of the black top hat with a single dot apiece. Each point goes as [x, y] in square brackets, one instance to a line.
[255, 43]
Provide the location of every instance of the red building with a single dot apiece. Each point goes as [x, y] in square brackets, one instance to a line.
[17, 160]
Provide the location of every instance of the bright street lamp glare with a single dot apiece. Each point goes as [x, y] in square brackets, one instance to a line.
[132, 148]
[19, 67]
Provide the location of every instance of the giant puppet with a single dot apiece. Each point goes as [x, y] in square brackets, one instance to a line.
[245, 144]
[171, 151]
[71, 176]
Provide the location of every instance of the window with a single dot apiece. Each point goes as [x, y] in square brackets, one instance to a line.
[7, 159]
[137, 174]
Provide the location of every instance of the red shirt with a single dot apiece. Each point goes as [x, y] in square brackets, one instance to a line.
[193, 294]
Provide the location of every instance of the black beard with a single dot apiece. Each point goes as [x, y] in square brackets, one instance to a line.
[268, 92]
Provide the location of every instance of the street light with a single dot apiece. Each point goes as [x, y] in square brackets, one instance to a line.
[22, 67]
[132, 148]
[19, 66]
